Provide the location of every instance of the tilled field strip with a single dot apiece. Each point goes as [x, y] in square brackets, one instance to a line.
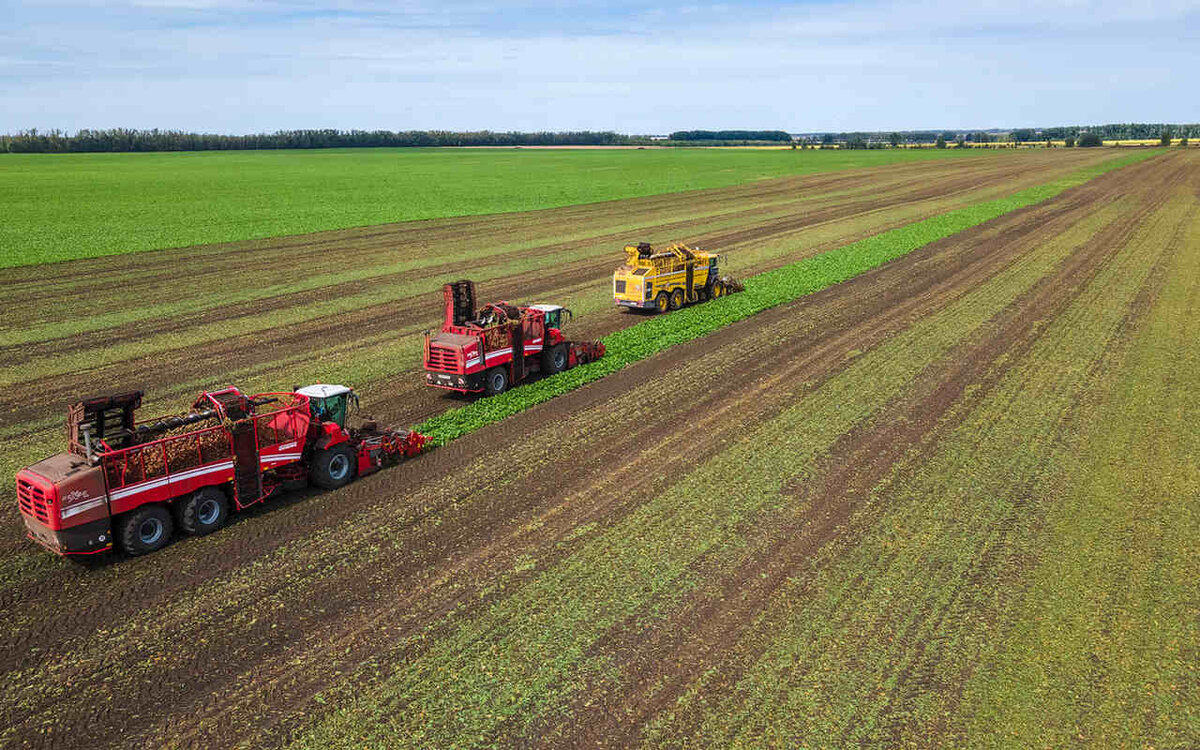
[1112, 606]
[393, 309]
[520, 659]
[873, 643]
[230, 635]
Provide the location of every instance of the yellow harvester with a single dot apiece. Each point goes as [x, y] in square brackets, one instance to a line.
[667, 279]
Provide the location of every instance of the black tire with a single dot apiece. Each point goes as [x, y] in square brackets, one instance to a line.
[332, 468]
[718, 290]
[678, 299]
[202, 512]
[145, 530]
[662, 302]
[555, 359]
[495, 381]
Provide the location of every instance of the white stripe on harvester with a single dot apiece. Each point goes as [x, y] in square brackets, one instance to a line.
[151, 484]
[75, 510]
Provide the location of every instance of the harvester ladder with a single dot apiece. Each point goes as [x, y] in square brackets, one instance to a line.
[247, 476]
[518, 351]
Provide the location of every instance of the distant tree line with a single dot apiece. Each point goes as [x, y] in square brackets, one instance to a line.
[1129, 131]
[1124, 131]
[123, 139]
[730, 135]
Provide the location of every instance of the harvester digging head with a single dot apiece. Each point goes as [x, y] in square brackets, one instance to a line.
[732, 285]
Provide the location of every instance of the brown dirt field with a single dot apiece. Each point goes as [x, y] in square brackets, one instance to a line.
[707, 627]
[746, 215]
[226, 639]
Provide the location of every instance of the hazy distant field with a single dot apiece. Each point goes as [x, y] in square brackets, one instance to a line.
[66, 206]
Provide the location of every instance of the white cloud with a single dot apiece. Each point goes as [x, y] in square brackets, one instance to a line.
[239, 66]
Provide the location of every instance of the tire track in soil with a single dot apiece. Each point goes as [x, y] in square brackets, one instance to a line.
[405, 236]
[600, 393]
[711, 627]
[1010, 232]
[369, 648]
[40, 398]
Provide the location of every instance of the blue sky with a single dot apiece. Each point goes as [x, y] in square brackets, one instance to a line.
[239, 66]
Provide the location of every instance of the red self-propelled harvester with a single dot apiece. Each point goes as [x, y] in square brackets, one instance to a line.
[133, 482]
[500, 344]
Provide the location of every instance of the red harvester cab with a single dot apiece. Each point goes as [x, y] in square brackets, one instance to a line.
[500, 345]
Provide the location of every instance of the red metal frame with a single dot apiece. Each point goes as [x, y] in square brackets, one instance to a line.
[166, 484]
[162, 470]
[477, 357]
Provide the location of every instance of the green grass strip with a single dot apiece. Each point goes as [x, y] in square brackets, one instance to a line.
[763, 291]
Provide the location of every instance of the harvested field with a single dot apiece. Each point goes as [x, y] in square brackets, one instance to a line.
[253, 313]
[890, 520]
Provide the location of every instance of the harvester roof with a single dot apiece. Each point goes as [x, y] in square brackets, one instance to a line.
[322, 391]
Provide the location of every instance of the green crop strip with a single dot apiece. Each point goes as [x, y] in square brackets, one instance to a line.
[68, 206]
[764, 291]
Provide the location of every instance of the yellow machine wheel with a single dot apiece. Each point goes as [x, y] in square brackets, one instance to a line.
[718, 290]
[677, 299]
[662, 302]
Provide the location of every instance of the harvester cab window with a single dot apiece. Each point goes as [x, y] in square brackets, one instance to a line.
[331, 409]
[556, 316]
[330, 403]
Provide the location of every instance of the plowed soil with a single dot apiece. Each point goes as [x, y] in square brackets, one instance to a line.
[257, 635]
[568, 254]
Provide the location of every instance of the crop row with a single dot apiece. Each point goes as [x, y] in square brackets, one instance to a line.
[520, 660]
[1111, 611]
[940, 559]
[764, 291]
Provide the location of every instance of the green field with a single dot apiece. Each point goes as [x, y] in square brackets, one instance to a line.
[929, 481]
[67, 206]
